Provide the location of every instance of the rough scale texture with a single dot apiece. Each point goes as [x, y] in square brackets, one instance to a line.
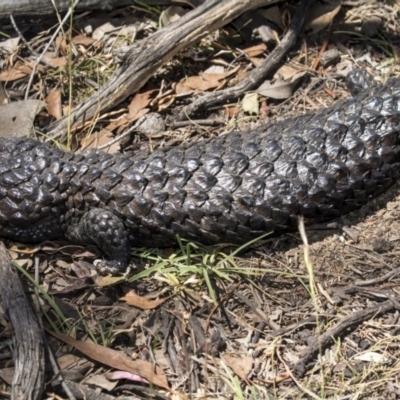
[233, 188]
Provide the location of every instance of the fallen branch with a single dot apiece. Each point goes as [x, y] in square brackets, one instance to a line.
[258, 75]
[28, 350]
[352, 321]
[147, 56]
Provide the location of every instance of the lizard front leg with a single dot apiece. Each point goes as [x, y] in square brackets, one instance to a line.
[108, 233]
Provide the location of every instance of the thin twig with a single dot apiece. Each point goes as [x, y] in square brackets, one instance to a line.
[346, 323]
[21, 36]
[39, 59]
[379, 279]
[203, 122]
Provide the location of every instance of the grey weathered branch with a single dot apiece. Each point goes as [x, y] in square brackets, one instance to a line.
[28, 340]
[143, 60]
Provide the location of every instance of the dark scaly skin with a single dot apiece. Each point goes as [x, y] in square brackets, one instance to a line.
[233, 188]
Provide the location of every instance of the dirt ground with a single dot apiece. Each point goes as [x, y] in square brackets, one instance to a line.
[279, 320]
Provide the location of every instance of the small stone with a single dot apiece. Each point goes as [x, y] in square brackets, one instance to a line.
[150, 124]
[330, 57]
[382, 246]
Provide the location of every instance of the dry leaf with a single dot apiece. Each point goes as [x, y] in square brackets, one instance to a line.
[183, 396]
[105, 281]
[17, 117]
[83, 40]
[231, 112]
[66, 360]
[9, 45]
[137, 109]
[165, 103]
[286, 72]
[117, 360]
[139, 102]
[256, 61]
[97, 139]
[172, 14]
[99, 32]
[250, 103]
[77, 285]
[255, 51]
[283, 376]
[215, 69]
[141, 302]
[101, 381]
[53, 101]
[62, 44]
[50, 247]
[372, 357]
[129, 30]
[56, 62]
[203, 82]
[280, 89]
[241, 75]
[240, 366]
[7, 374]
[24, 249]
[82, 269]
[3, 95]
[18, 71]
[322, 15]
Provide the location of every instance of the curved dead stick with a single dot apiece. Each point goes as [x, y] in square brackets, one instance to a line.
[258, 75]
